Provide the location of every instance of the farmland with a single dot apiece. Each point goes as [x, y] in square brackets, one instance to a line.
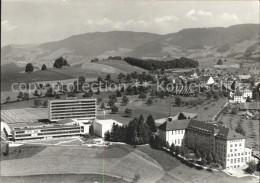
[122, 65]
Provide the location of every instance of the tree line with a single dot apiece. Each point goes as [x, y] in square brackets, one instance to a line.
[137, 131]
[154, 64]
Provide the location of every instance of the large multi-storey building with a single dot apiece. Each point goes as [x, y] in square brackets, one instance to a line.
[37, 130]
[226, 143]
[81, 109]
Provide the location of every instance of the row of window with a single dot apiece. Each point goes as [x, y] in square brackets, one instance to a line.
[175, 132]
[53, 133]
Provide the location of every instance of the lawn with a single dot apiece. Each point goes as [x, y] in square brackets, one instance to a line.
[161, 108]
[23, 151]
[122, 65]
[65, 178]
[164, 159]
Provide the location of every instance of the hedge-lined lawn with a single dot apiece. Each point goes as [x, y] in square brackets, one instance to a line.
[167, 161]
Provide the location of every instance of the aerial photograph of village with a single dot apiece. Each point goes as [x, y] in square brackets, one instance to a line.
[111, 91]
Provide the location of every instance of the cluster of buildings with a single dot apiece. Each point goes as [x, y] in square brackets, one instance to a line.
[66, 118]
[207, 137]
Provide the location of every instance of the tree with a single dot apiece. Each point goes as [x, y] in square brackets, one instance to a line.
[36, 93]
[60, 62]
[248, 99]
[111, 103]
[220, 62]
[216, 159]
[142, 96]
[151, 123]
[98, 92]
[49, 92]
[233, 85]
[128, 112]
[29, 68]
[125, 100]
[102, 106]
[107, 136]
[7, 150]
[251, 167]
[26, 96]
[197, 154]
[183, 151]
[177, 150]
[81, 80]
[37, 102]
[181, 116]
[44, 67]
[216, 97]
[239, 129]
[99, 100]
[108, 77]
[20, 95]
[209, 158]
[7, 100]
[118, 93]
[149, 101]
[45, 104]
[114, 109]
[91, 130]
[203, 161]
[178, 101]
[172, 148]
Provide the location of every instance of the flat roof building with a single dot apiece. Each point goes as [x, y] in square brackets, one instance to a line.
[84, 109]
[102, 126]
[39, 130]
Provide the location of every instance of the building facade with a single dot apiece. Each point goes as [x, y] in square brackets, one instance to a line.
[39, 131]
[84, 109]
[102, 126]
[227, 144]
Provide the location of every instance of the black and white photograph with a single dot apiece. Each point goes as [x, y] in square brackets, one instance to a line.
[130, 91]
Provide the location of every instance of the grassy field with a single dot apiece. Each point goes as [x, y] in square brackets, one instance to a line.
[161, 109]
[120, 161]
[83, 160]
[64, 178]
[23, 151]
[122, 65]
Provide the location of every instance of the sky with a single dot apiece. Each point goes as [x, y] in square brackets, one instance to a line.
[40, 21]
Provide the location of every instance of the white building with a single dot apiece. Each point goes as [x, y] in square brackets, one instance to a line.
[173, 131]
[206, 80]
[40, 131]
[247, 93]
[241, 96]
[102, 126]
[84, 109]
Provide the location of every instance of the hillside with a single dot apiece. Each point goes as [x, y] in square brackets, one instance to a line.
[238, 42]
[241, 41]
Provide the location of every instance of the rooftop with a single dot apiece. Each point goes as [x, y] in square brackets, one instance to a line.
[175, 125]
[106, 121]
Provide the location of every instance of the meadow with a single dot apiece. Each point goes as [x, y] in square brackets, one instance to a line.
[120, 162]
